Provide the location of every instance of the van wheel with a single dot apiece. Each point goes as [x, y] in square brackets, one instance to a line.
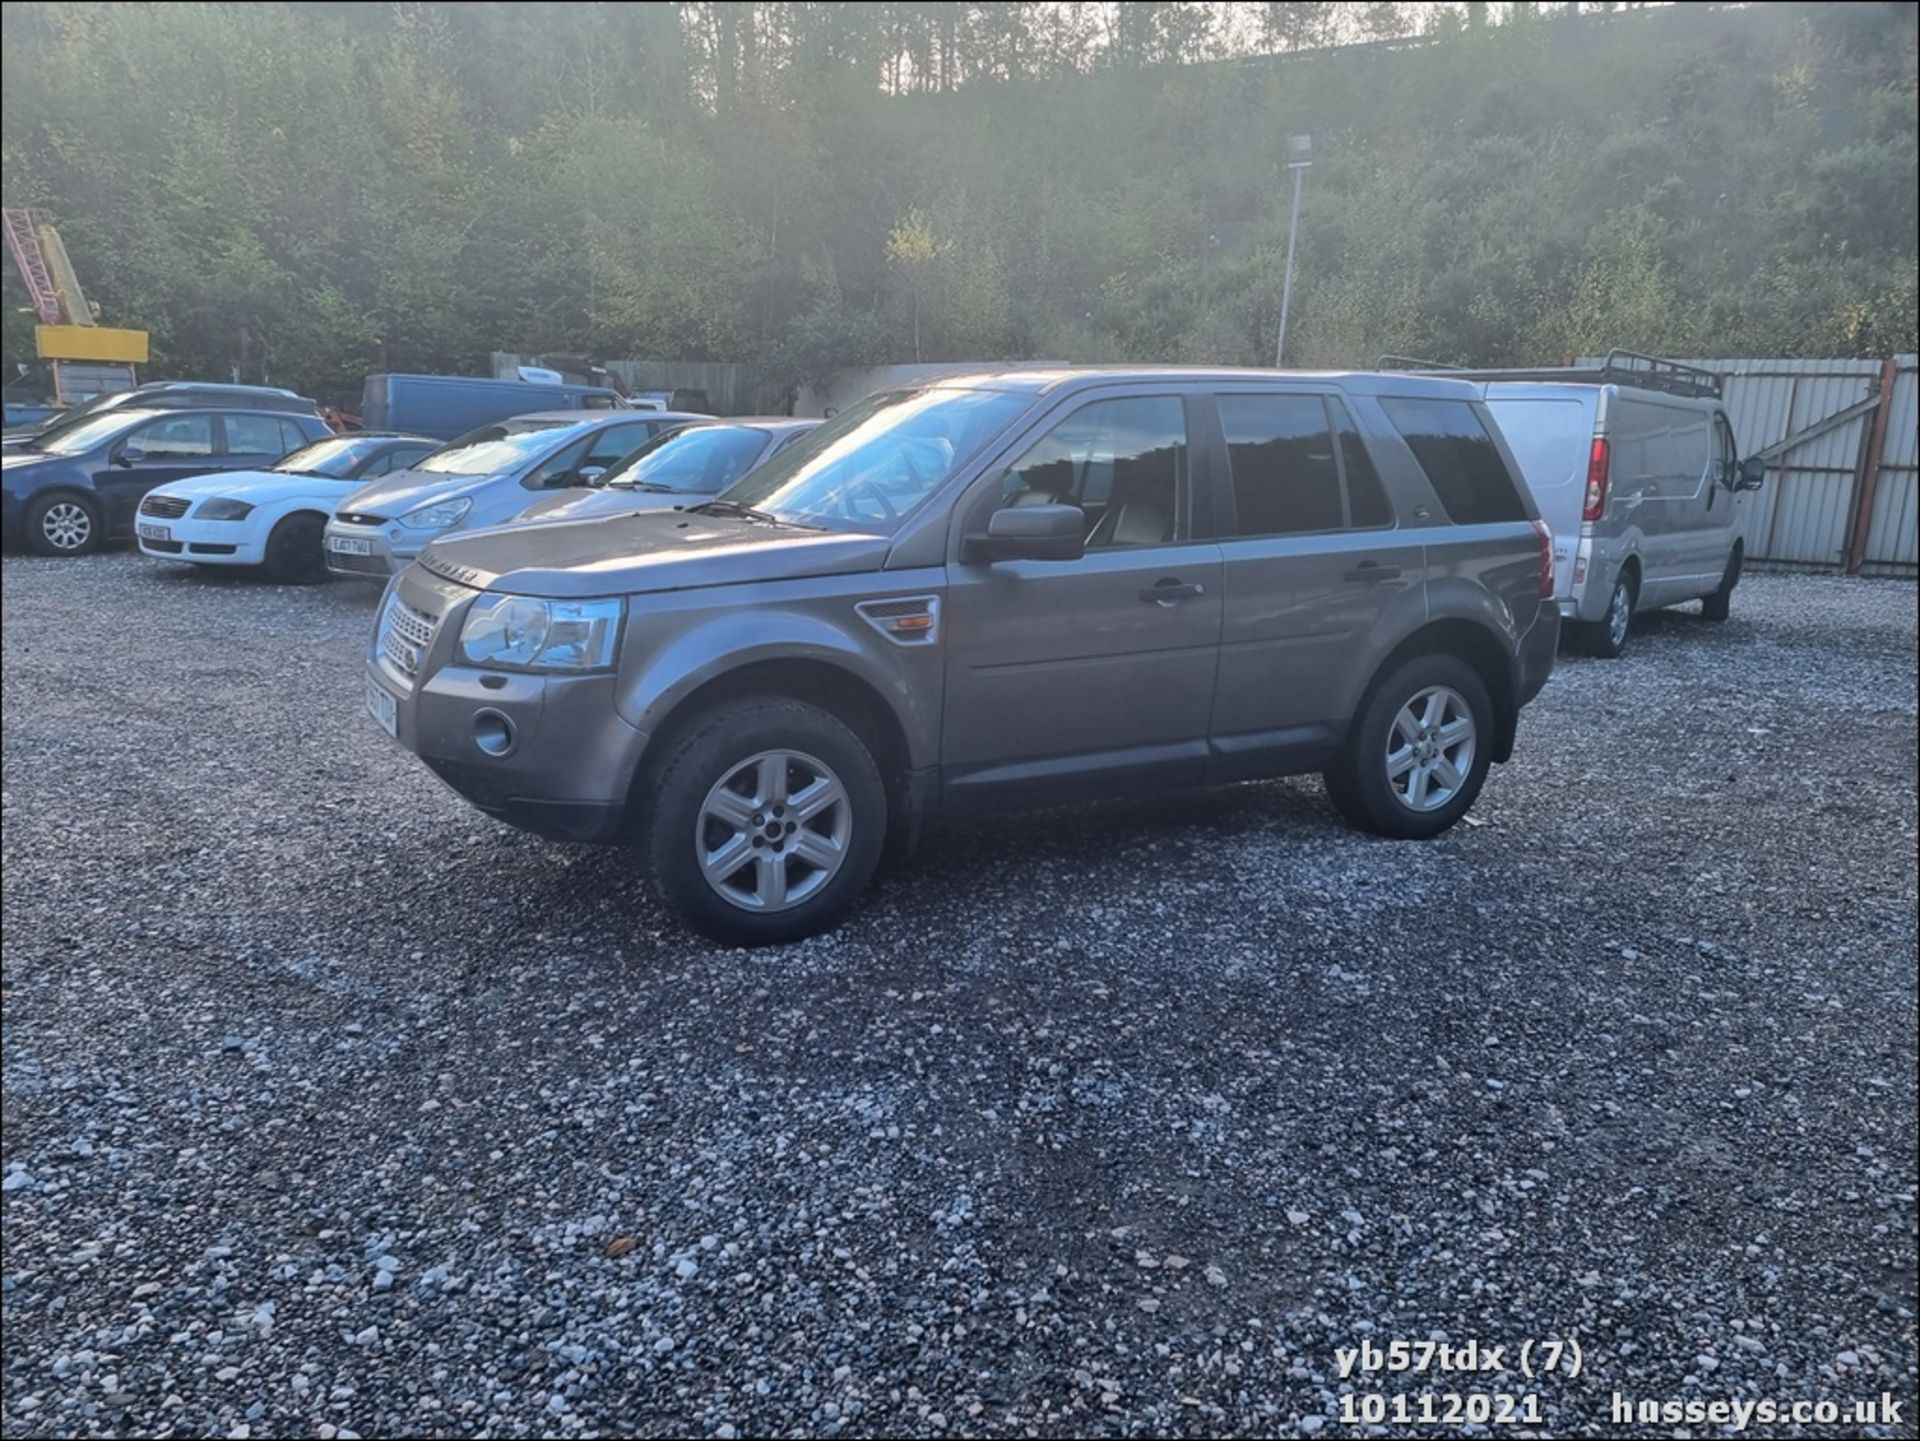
[1419, 750]
[1718, 604]
[63, 523]
[1607, 637]
[294, 554]
[768, 818]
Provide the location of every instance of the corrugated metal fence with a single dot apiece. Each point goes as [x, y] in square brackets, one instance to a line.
[1842, 443]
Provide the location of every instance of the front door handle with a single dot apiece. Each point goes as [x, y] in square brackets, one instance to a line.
[1371, 572]
[1170, 591]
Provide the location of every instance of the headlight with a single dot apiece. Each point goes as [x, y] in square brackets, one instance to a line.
[438, 516]
[526, 634]
[223, 509]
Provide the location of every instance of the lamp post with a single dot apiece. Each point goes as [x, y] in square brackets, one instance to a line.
[1299, 157]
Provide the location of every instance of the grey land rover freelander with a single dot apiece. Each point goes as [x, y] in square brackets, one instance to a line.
[1018, 587]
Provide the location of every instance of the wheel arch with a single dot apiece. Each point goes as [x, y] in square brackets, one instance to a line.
[1481, 648]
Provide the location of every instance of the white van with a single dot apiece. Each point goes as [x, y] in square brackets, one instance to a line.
[1634, 467]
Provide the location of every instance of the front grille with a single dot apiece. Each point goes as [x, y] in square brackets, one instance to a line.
[167, 507]
[405, 634]
[414, 626]
[199, 548]
[165, 547]
[358, 564]
[358, 517]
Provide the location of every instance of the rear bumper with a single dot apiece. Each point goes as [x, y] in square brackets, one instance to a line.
[1538, 648]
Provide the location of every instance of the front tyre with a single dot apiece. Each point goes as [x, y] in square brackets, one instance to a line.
[1419, 750]
[294, 549]
[1718, 604]
[767, 818]
[64, 523]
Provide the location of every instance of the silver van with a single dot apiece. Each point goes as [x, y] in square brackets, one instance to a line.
[1635, 469]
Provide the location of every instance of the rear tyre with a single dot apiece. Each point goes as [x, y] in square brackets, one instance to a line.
[64, 523]
[294, 553]
[1419, 750]
[1718, 604]
[767, 818]
[1607, 638]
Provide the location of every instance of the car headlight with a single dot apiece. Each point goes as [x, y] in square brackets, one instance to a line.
[522, 633]
[438, 516]
[223, 509]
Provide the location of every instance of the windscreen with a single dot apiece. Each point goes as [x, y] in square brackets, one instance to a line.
[872, 464]
[333, 457]
[85, 435]
[494, 448]
[701, 459]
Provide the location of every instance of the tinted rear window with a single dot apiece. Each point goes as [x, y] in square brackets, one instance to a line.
[1285, 479]
[1459, 457]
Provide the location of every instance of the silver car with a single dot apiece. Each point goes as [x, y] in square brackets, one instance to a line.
[1013, 588]
[1635, 469]
[485, 477]
[682, 466]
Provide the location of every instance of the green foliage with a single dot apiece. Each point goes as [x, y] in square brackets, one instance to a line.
[309, 192]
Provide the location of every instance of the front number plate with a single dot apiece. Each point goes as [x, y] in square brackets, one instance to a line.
[349, 545]
[384, 709]
[154, 532]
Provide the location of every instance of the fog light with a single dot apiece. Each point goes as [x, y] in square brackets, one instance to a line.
[492, 732]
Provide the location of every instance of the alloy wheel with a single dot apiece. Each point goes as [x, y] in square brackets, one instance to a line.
[1430, 749]
[66, 525]
[773, 831]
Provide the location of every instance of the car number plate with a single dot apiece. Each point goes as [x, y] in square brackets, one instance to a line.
[154, 532]
[349, 545]
[384, 709]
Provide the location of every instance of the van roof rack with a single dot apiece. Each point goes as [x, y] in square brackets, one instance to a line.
[1621, 367]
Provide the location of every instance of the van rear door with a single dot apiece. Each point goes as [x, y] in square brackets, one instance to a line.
[1549, 429]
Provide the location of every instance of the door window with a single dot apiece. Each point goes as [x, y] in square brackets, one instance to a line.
[614, 442]
[292, 437]
[254, 435]
[1286, 480]
[1725, 461]
[184, 436]
[1367, 504]
[1123, 462]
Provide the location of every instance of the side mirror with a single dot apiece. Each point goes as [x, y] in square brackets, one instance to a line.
[127, 454]
[1031, 532]
[1753, 474]
[592, 474]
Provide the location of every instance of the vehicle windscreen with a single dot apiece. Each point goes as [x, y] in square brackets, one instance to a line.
[84, 436]
[79, 415]
[502, 447]
[700, 459]
[333, 458]
[872, 464]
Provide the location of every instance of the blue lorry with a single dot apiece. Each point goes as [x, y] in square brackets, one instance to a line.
[445, 406]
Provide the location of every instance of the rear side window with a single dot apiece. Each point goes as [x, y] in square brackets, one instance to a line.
[1285, 478]
[1459, 457]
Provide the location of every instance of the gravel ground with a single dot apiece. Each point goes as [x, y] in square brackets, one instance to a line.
[333, 1107]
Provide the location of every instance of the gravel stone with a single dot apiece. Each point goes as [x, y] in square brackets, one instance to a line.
[1631, 1060]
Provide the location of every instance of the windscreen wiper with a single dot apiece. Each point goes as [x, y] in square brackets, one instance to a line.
[734, 507]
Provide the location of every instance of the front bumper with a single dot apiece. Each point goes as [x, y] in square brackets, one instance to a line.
[389, 547]
[204, 542]
[547, 753]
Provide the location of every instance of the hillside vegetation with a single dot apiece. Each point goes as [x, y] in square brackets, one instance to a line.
[310, 191]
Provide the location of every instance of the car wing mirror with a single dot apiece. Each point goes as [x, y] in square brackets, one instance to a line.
[592, 474]
[128, 454]
[1752, 475]
[1031, 532]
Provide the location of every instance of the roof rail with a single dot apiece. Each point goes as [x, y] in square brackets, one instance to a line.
[1621, 367]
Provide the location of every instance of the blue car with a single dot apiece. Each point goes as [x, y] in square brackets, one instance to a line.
[70, 493]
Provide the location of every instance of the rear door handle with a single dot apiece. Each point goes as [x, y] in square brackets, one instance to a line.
[1371, 572]
[1170, 591]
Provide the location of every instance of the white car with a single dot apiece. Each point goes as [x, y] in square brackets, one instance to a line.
[276, 517]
